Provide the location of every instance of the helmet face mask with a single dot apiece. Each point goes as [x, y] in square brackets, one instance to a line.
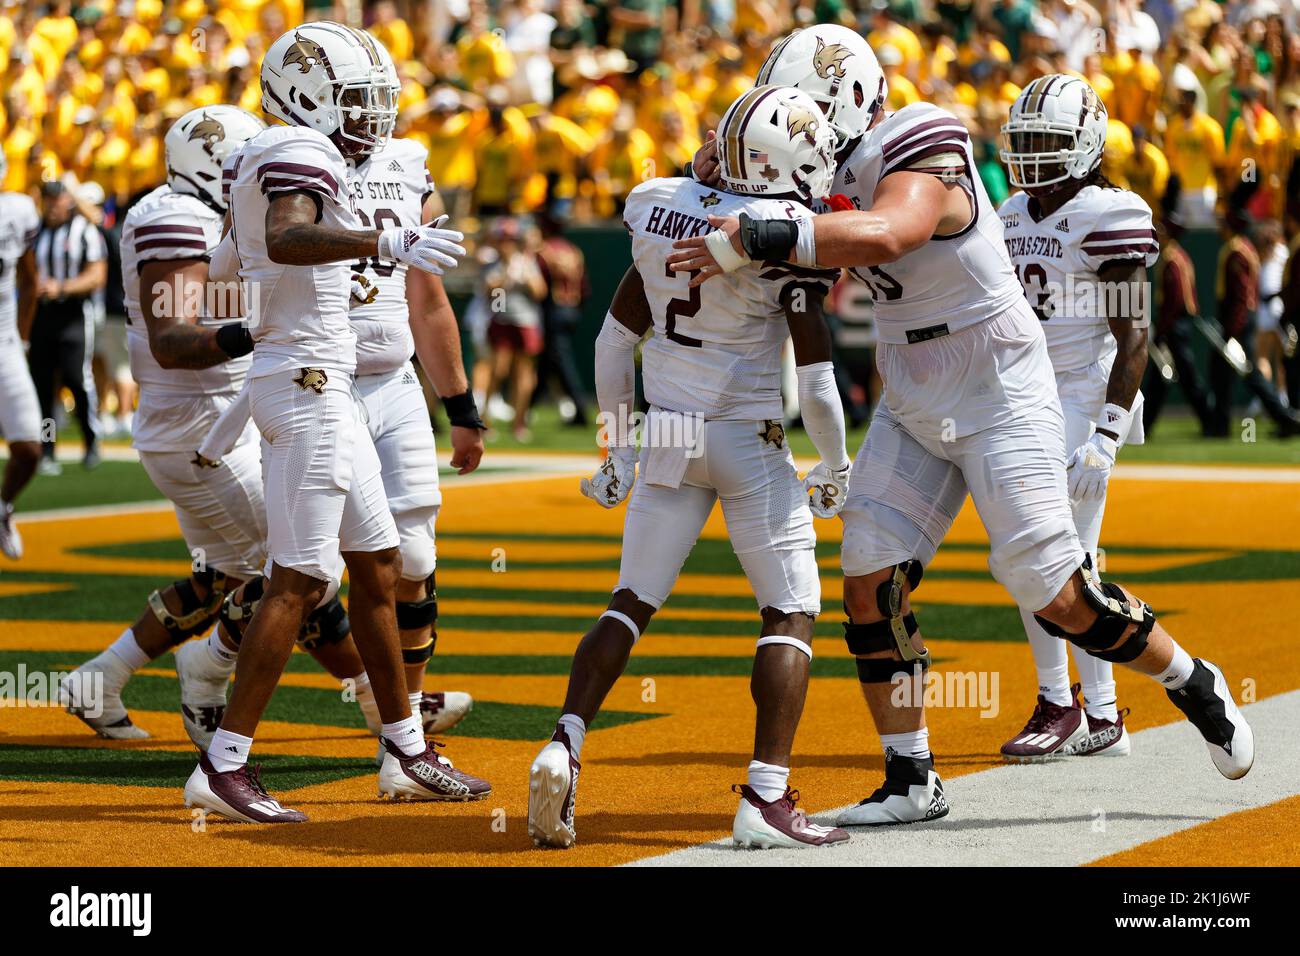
[1056, 133]
[774, 141]
[334, 79]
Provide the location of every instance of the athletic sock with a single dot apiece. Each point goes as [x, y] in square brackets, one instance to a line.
[576, 730]
[768, 780]
[221, 657]
[1051, 661]
[1099, 701]
[406, 735]
[415, 698]
[1179, 671]
[366, 700]
[128, 651]
[914, 743]
[228, 751]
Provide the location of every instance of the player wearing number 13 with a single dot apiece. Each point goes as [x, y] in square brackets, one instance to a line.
[970, 407]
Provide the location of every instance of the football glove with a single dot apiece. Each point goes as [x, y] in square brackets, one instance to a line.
[613, 480]
[827, 489]
[427, 247]
[1088, 469]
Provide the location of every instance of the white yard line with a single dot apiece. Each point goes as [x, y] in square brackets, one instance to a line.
[1064, 813]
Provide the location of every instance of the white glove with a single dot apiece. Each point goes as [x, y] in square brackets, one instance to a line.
[827, 489]
[426, 247]
[613, 480]
[1088, 469]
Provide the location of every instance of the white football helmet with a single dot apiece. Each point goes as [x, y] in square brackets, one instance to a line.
[199, 142]
[1056, 131]
[774, 140]
[334, 79]
[838, 69]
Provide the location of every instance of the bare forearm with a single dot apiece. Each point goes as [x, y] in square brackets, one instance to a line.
[855, 238]
[1130, 364]
[437, 346]
[187, 346]
[311, 244]
[90, 279]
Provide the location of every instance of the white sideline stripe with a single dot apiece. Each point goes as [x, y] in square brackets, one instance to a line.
[1044, 814]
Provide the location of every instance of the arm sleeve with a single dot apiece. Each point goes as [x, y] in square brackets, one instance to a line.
[823, 413]
[615, 379]
[224, 266]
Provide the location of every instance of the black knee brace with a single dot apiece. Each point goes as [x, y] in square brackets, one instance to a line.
[235, 615]
[1115, 615]
[418, 655]
[328, 624]
[196, 614]
[894, 633]
[416, 614]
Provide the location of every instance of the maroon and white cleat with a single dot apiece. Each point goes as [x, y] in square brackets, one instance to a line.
[552, 791]
[1106, 738]
[1052, 731]
[764, 824]
[443, 710]
[236, 794]
[426, 776]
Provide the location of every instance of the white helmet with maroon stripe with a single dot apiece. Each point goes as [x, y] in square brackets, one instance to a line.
[774, 140]
[199, 142]
[336, 80]
[1056, 131]
[838, 69]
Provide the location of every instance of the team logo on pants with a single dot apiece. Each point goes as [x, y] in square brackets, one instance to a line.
[313, 378]
[772, 433]
[201, 462]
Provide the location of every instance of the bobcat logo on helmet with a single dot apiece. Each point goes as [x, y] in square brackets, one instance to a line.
[829, 60]
[804, 123]
[313, 378]
[305, 53]
[210, 131]
[1092, 104]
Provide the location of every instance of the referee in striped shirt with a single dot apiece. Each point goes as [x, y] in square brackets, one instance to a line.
[71, 263]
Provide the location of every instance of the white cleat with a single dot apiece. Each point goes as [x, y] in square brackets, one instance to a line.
[1106, 738]
[912, 793]
[1207, 702]
[552, 790]
[441, 711]
[203, 692]
[764, 824]
[85, 694]
[11, 542]
[426, 776]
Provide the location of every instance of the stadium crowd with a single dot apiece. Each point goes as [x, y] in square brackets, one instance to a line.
[541, 112]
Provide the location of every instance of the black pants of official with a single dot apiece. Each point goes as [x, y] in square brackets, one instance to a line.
[62, 345]
[1222, 377]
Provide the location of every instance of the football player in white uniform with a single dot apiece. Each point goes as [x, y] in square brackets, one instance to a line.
[191, 361]
[20, 413]
[1080, 248]
[293, 234]
[712, 372]
[970, 405]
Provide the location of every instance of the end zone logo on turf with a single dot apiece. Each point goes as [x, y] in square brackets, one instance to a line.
[76, 909]
[80, 690]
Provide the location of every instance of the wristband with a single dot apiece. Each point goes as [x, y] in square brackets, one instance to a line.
[1115, 418]
[765, 239]
[235, 340]
[463, 412]
[805, 247]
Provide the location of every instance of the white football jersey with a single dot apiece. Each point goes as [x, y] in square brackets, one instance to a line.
[716, 349]
[1057, 258]
[299, 314]
[951, 282]
[388, 189]
[19, 223]
[177, 406]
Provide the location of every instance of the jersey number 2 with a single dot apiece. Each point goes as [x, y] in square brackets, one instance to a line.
[685, 308]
